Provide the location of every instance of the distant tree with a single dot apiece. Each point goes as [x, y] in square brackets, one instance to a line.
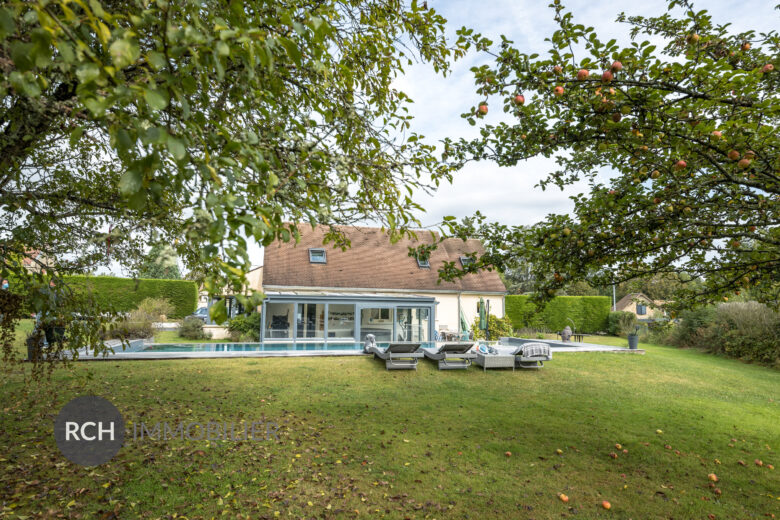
[161, 262]
[581, 288]
[690, 132]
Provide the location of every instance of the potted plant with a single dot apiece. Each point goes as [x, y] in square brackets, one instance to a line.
[633, 338]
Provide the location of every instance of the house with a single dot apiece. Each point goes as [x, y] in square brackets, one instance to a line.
[643, 307]
[318, 292]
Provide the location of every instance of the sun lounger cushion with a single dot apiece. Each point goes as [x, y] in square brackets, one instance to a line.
[534, 350]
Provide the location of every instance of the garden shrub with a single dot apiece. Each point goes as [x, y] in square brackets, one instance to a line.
[192, 328]
[157, 309]
[744, 330]
[589, 313]
[498, 327]
[688, 332]
[125, 294]
[617, 321]
[129, 329]
[245, 326]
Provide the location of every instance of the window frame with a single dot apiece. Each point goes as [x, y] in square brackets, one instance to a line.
[466, 260]
[317, 250]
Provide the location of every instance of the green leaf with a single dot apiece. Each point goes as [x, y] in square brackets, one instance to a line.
[156, 59]
[156, 99]
[96, 105]
[217, 312]
[123, 52]
[176, 147]
[87, 73]
[76, 134]
[292, 50]
[131, 182]
[223, 49]
[21, 54]
[7, 24]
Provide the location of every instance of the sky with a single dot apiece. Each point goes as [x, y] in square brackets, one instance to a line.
[508, 195]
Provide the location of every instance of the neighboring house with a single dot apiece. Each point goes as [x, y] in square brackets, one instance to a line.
[255, 282]
[35, 261]
[315, 291]
[643, 307]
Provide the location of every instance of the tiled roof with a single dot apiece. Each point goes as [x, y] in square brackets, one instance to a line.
[372, 262]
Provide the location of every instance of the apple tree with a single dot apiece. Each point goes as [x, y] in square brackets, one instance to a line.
[202, 125]
[678, 141]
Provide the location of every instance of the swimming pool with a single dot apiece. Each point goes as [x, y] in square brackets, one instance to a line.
[257, 347]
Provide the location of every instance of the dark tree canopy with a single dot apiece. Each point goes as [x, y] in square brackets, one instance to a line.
[203, 125]
[690, 132]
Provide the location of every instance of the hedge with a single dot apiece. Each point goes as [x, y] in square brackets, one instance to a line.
[124, 294]
[589, 313]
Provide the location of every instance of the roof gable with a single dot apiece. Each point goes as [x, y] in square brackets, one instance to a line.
[372, 262]
[628, 298]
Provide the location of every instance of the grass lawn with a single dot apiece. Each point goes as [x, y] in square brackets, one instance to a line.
[358, 441]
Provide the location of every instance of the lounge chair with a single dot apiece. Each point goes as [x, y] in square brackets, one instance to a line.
[532, 355]
[451, 355]
[397, 356]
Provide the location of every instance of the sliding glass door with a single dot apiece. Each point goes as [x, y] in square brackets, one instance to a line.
[412, 324]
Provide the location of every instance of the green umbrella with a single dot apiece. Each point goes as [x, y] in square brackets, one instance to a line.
[483, 322]
[464, 324]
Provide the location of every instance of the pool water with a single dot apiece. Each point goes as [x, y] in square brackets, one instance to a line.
[255, 347]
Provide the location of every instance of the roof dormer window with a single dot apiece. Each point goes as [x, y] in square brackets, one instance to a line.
[317, 256]
[466, 260]
[423, 263]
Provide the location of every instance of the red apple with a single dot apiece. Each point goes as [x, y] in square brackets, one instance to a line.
[750, 154]
[693, 38]
[744, 164]
[745, 46]
[713, 477]
[606, 505]
[563, 498]
[519, 99]
[616, 66]
[482, 109]
[767, 68]
[679, 165]
[612, 192]
[717, 134]
[613, 455]
[582, 74]
[759, 462]
[508, 453]
[558, 91]
[733, 155]
[606, 76]
[557, 69]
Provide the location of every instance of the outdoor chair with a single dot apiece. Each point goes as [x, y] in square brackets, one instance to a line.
[397, 356]
[532, 355]
[451, 355]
